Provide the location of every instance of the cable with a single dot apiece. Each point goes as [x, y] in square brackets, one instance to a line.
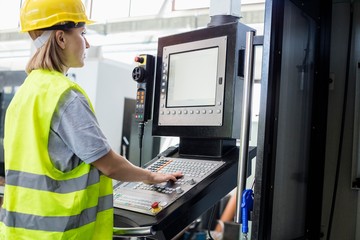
[342, 127]
[211, 218]
[141, 134]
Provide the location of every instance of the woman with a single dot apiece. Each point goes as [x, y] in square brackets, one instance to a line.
[58, 163]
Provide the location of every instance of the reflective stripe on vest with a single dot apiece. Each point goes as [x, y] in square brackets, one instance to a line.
[41, 202]
[55, 224]
[43, 182]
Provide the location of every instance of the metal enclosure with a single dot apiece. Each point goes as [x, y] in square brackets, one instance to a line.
[229, 129]
[292, 123]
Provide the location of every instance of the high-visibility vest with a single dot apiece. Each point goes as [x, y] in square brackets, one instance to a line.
[41, 202]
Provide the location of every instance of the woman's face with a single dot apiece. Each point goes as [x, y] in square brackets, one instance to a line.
[75, 47]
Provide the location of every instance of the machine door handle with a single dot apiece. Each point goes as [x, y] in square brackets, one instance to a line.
[245, 121]
[133, 232]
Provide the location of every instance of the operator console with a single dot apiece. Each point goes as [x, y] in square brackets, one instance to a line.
[152, 199]
[197, 97]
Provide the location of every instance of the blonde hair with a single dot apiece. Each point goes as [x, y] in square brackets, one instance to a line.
[50, 56]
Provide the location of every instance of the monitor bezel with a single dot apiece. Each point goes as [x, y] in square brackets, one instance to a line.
[236, 41]
[195, 115]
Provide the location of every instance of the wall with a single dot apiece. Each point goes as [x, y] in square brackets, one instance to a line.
[107, 83]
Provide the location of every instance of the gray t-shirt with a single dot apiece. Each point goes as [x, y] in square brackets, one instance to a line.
[75, 134]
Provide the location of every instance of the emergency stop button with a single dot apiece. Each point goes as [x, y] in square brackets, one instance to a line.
[139, 59]
[155, 207]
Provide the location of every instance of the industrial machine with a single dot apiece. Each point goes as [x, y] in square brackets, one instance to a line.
[9, 82]
[198, 96]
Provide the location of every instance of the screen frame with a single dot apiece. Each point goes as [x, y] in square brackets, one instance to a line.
[199, 115]
[232, 108]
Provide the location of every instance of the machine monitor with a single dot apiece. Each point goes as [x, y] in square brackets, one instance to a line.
[198, 85]
[192, 85]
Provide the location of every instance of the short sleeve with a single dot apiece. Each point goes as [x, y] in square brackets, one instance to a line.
[77, 127]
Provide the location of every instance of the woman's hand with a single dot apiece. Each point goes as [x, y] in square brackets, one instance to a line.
[155, 177]
[117, 167]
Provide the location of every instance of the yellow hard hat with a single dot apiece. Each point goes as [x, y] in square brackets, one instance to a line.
[40, 14]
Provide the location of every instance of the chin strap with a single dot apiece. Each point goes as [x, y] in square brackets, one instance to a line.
[42, 39]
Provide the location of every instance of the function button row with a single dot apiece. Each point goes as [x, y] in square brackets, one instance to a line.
[191, 112]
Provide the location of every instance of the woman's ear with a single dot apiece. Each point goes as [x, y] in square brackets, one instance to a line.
[60, 38]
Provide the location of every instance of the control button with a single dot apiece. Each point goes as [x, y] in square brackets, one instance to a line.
[173, 112]
[155, 208]
[139, 59]
[219, 103]
[155, 205]
[197, 111]
[218, 111]
[211, 111]
[185, 111]
[180, 112]
[162, 112]
[179, 190]
[203, 111]
[191, 112]
[191, 181]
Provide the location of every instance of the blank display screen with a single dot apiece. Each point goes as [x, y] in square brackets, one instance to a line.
[192, 78]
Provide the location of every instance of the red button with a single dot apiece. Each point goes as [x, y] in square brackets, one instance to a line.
[155, 205]
[139, 59]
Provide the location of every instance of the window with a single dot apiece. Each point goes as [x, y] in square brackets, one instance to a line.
[190, 4]
[103, 10]
[9, 14]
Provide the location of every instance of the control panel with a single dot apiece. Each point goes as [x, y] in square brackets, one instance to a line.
[143, 74]
[152, 199]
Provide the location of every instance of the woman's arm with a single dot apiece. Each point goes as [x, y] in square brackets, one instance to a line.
[117, 167]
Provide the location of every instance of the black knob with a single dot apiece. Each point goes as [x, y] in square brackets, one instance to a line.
[138, 74]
